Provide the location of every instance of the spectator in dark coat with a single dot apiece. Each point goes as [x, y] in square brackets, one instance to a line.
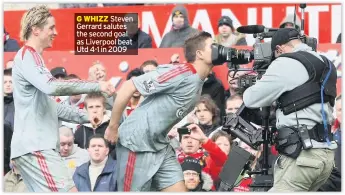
[8, 98]
[10, 45]
[99, 174]
[180, 30]
[227, 33]
[215, 89]
[135, 36]
[7, 147]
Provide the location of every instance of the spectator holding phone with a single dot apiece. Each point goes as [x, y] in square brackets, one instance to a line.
[194, 143]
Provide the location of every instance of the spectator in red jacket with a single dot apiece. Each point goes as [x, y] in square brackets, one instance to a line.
[199, 146]
[224, 142]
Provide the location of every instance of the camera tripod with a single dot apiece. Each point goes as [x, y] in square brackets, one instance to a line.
[239, 160]
[263, 180]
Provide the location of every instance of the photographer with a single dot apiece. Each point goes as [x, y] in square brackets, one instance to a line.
[302, 165]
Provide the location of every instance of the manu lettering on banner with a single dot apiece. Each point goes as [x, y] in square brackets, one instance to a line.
[156, 19]
[118, 66]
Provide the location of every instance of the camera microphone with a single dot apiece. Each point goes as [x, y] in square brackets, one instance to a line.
[253, 29]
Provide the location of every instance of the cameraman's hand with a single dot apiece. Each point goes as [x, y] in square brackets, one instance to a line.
[197, 134]
[107, 87]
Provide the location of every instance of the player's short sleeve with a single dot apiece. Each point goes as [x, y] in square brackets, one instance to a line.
[163, 80]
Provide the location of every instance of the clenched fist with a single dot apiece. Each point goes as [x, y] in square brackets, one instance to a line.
[111, 134]
[107, 87]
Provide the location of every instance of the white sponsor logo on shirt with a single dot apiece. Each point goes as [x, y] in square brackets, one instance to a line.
[149, 86]
[181, 112]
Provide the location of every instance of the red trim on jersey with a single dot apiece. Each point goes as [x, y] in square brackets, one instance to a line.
[35, 55]
[129, 108]
[23, 52]
[129, 172]
[173, 73]
[191, 67]
[45, 171]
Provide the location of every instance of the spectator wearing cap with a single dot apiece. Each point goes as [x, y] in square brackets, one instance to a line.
[180, 30]
[10, 45]
[59, 73]
[228, 36]
[195, 179]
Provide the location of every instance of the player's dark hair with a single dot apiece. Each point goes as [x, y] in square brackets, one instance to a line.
[194, 43]
[95, 95]
[149, 62]
[8, 72]
[134, 73]
[97, 136]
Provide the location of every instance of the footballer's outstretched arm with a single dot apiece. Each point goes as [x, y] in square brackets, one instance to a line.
[71, 114]
[36, 73]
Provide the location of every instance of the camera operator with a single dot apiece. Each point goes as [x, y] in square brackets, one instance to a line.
[302, 165]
